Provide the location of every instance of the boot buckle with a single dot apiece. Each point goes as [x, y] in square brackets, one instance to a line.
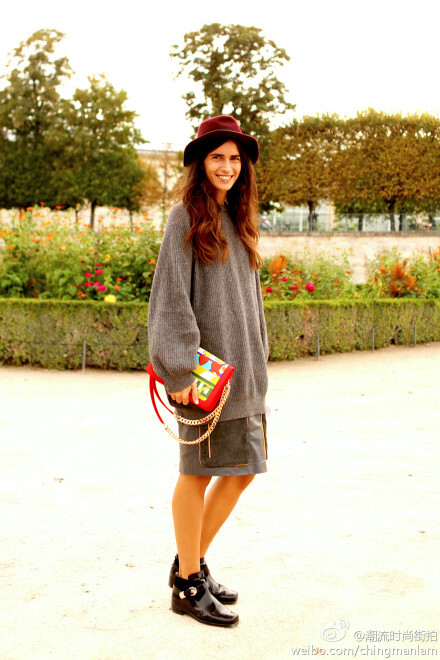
[191, 591]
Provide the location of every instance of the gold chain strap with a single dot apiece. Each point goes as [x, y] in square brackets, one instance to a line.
[214, 415]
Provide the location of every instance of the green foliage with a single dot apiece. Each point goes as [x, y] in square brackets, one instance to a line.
[234, 69]
[372, 163]
[294, 170]
[346, 325]
[102, 137]
[29, 108]
[60, 259]
[64, 152]
[50, 333]
[307, 275]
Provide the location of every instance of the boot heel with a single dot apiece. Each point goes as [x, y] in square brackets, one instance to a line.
[177, 608]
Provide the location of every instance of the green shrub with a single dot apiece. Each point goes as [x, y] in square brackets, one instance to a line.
[50, 333]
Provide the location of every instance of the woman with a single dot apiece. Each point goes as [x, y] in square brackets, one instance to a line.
[206, 292]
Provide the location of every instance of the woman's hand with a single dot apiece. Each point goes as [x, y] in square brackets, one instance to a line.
[182, 396]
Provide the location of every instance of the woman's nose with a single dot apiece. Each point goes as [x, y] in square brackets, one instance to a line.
[227, 166]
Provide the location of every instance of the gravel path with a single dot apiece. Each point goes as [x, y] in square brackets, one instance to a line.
[339, 540]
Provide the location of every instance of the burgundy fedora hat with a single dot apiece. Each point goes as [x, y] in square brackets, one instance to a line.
[221, 126]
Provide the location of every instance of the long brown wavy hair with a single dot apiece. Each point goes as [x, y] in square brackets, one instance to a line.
[205, 235]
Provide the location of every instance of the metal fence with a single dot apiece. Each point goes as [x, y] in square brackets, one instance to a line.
[297, 221]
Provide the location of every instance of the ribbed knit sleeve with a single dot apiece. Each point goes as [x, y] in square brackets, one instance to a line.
[173, 335]
[262, 318]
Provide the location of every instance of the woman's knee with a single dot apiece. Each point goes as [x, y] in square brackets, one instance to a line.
[197, 481]
[241, 481]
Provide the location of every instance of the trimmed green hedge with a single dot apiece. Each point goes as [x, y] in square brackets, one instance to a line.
[50, 333]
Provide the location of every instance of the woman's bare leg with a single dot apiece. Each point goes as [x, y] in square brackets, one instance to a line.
[188, 505]
[220, 500]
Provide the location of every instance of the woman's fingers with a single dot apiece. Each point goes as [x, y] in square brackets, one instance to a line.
[182, 396]
[194, 392]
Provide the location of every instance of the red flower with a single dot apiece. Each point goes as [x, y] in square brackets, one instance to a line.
[269, 289]
[102, 287]
[98, 271]
[294, 287]
[87, 274]
[88, 284]
[284, 279]
[309, 286]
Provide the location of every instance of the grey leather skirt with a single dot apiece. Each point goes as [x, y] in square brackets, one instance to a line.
[236, 446]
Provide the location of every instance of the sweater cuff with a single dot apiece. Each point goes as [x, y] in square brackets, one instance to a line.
[177, 383]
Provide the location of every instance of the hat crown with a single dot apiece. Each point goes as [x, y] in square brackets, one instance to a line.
[221, 123]
[224, 127]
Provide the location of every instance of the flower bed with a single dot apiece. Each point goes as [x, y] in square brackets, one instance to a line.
[48, 256]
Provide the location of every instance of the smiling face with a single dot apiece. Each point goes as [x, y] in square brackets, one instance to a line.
[222, 168]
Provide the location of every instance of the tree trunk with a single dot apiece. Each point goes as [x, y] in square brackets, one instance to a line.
[392, 217]
[92, 215]
[360, 222]
[311, 216]
[130, 213]
[76, 215]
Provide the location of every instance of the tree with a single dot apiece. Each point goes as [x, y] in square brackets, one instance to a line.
[387, 163]
[29, 108]
[233, 68]
[105, 168]
[60, 151]
[295, 170]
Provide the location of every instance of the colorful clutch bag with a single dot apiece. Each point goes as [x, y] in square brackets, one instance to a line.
[213, 377]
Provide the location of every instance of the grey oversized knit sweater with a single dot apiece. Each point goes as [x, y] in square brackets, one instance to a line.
[226, 318]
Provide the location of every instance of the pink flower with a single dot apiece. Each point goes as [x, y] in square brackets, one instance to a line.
[96, 283]
[99, 271]
[102, 287]
[309, 286]
[269, 289]
[284, 279]
[87, 274]
[294, 287]
[88, 284]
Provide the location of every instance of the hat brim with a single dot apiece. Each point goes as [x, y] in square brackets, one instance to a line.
[249, 144]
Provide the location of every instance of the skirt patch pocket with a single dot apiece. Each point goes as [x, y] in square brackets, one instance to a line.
[228, 444]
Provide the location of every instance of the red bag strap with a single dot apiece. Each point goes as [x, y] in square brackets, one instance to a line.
[153, 394]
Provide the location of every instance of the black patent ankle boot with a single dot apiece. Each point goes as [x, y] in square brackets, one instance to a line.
[222, 593]
[193, 597]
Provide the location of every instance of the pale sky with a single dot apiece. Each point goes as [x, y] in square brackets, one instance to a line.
[345, 55]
